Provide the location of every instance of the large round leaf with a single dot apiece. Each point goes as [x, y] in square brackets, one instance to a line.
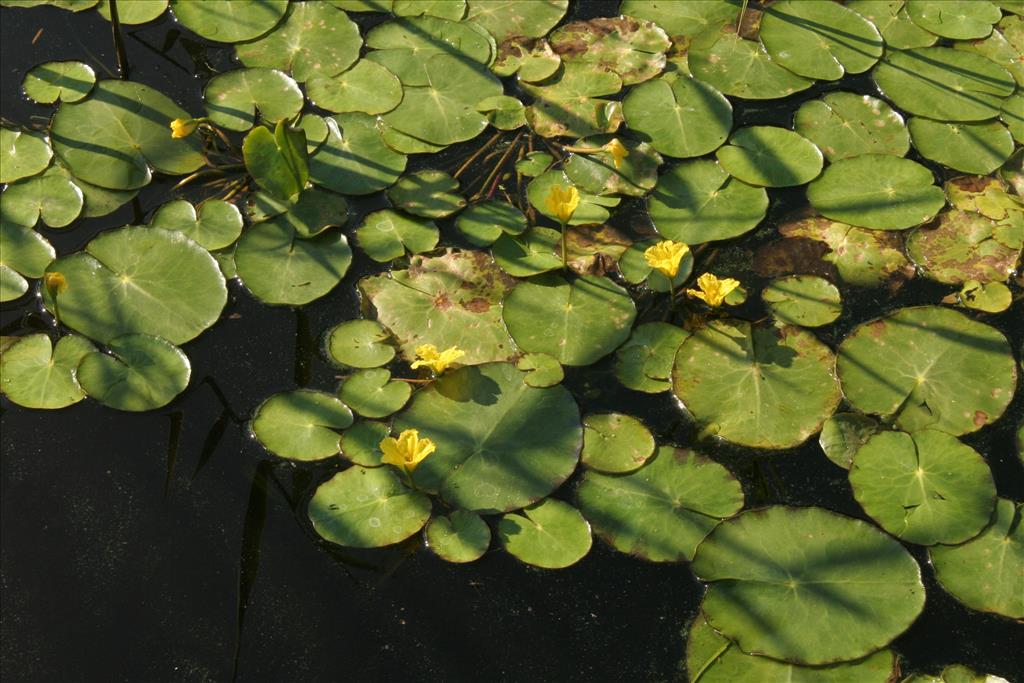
[741, 67]
[460, 537]
[234, 97]
[806, 585]
[928, 367]
[136, 279]
[387, 234]
[113, 137]
[372, 393]
[65, 81]
[644, 362]
[615, 443]
[483, 223]
[429, 193]
[597, 173]
[505, 18]
[892, 21]
[215, 225]
[803, 300]
[568, 102]
[763, 387]
[844, 125]
[501, 444]
[632, 48]
[360, 344]
[681, 117]
[132, 12]
[354, 159]
[682, 19]
[367, 87]
[51, 196]
[958, 19]
[140, 372]
[967, 147]
[301, 425]
[963, 245]
[23, 154]
[549, 534]
[23, 252]
[229, 21]
[406, 45]
[768, 156]
[36, 374]
[576, 323]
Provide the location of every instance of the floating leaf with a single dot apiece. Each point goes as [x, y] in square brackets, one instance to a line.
[967, 147]
[681, 117]
[1012, 115]
[535, 251]
[532, 58]
[957, 19]
[506, 18]
[682, 19]
[615, 443]
[99, 201]
[594, 249]
[843, 434]
[803, 300]
[367, 87]
[371, 393]
[568, 103]
[387, 234]
[228, 21]
[233, 97]
[140, 372]
[845, 125]
[892, 21]
[301, 424]
[430, 193]
[36, 374]
[549, 534]
[762, 387]
[403, 143]
[360, 344]
[23, 153]
[741, 67]
[964, 245]
[483, 223]
[59, 81]
[406, 45]
[503, 112]
[501, 444]
[354, 158]
[534, 164]
[644, 362]
[597, 173]
[367, 508]
[446, 9]
[770, 156]
[460, 537]
[23, 252]
[632, 48]
[363, 5]
[277, 161]
[134, 12]
[217, 224]
[313, 212]
[360, 444]
[990, 297]
[51, 197]
[541, 370]
[928, 367]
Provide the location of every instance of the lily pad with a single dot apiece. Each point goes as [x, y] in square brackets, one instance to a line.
[503, 112]
[644, 362]
[877, 191]
[430, 193]
[632, 48]
[367, 508]
[372, 393]
[360, 344]
[568, 103]
[501, 444]
[597, 173]
[363, 5]
[277, 161]
[924, 488]
[549, 534]
[449, 300]
[803, 300]
[506, 18]
[313, 39]
[59, 81]
[134, 12]
[615, 443]
[594, 249]
[964, 245]
[313, 211]
[987, 572]
[535, 251]
[302, 424]
[806, 585]
[740, 67]
[119, 132]
[944, 84]
[990, 297]
[36, 374]
[682, 117]
[354, 158]
[23, 252]
[228, 21]
[51, 197]
[845, 125]
[139, 280]
[928, 366]
[698, 201]
[663, 510]
[892, 21]
[217, 224]
[446, 9]
[532, 58]
[406, 45]
[1012, 114]
[23, 154]
[140, 372]
[844, 433]
[387, 234]
[591, 208]
[768, 156]
[99, 201]
[541, 370]
[233, 97]
[967, 147]
[683, 19]
[957, 19]
[367, 87]
[550, 315]
[360, 443]
[403, 143]
[762, 387]
[1002, 46]
[460, 537]
[483, 223]
[534, 164]
[820, 39]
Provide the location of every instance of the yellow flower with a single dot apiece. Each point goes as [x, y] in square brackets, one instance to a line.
[437, 362]
[182, 128]
[407, 451]
[665, 257]
[562, 201]
[712, 290]
[617, 150]
[55, 283]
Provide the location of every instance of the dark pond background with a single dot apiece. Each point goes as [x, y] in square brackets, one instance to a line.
[168, 546]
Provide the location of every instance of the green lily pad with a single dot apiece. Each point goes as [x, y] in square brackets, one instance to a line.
[449, 300]
[23, 154]
[944, 84]
[372, 393]
[503, 112]
[406, 45]
[532, 58]
[51, 197]
[367, 508]
[387, 234]
[430, 193]
[549, 534]
[313, 39]
[313, 212]
[460, 537]
[845, 125]
[892, 21]
[682, 117]
[1003, 46]
[363, 5]
[957, 19]
[536, 251]
[59, 81]
[987, 572]
[483, 223]
[315, 128]
[698, 201]
[591, 208]
[506, 18]
[279, 267]
[803, 300]
[644, 362]
[12, 285]
[115, 135]
[541, 370]
[683, 19]
[1012, 115]
[134, 12]
[70, 5]
[403, 143]
[568, 103]
[217, 224]
[277, 161]
[354, 158]
[877, 191]
[367, 87]
[594, 249]
[663, 510]
[360, 443]
[227, 21]
[301, 425]
[843, 434]
[446, 9]
[924, 488]
[233, 97]
[967, 147]
[615, 443]
[550, 316]
[928, 366]
[762, 387]
[36, 374]
[596, 173]
[712, 658]
[139, 280]
[140, 372]
[964, 245]
[740, 67]
[820, 39]
[23, 252]
[806, 585]
[534, 164]
[99, 201]
[768, 156]
[990, 297]
[632, 48]
[501, 444]
[360, 344]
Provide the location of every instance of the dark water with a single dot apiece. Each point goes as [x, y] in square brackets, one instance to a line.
[169, 546]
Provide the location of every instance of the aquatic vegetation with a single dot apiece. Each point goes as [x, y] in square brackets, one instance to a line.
[525, 203]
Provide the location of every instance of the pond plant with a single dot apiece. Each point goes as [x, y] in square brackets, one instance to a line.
[550, 198]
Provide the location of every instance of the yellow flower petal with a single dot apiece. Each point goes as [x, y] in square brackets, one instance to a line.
[438, 362]
[407, 451]
[562, 201]
[182, 128]
[665, 257]
[712, 290]
[55, 283]
[617, 150]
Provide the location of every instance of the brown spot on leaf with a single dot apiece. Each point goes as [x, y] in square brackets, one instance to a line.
[980, 418]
